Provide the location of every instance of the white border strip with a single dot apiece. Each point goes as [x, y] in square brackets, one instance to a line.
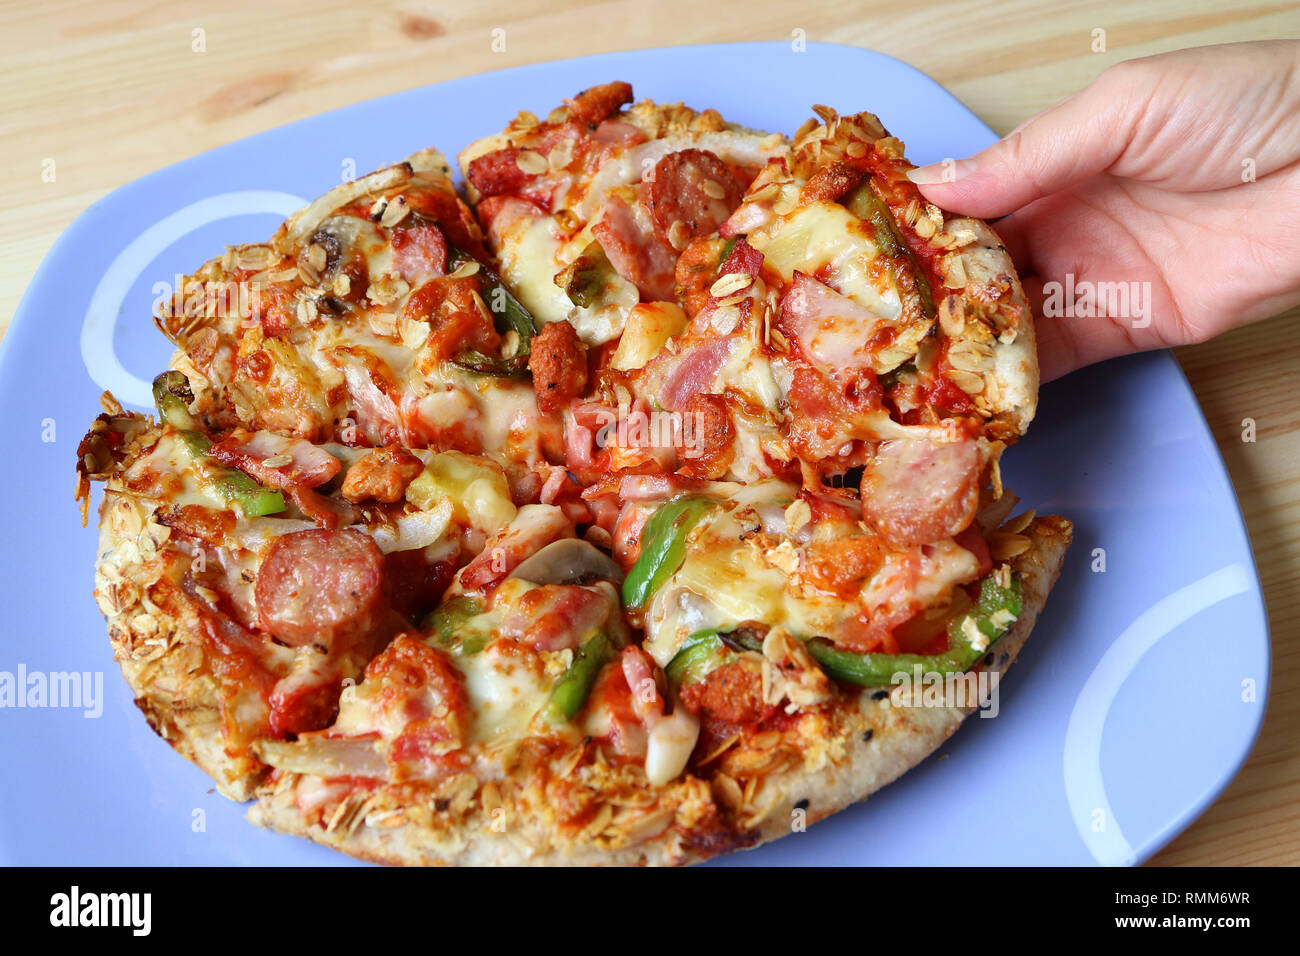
[1084, 787]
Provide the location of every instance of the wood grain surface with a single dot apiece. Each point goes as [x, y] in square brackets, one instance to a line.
[113, 90]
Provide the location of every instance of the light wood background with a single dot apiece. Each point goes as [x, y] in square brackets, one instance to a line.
[114, 90]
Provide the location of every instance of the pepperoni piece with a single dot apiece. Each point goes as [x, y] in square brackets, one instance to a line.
[420, 253]
[321, 587]
[600, 102]
[558, 362]
[916, 491]
[694, 187]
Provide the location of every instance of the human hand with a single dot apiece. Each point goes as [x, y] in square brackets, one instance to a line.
[1179, 171]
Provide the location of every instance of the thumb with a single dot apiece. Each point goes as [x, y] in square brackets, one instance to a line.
[1074, 140]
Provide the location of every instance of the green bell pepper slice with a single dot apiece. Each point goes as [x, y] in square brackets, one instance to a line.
[994, 612]
[866, 204]
[449, 616]
[573, 688]
[700, 653]
[172, 395]
[705, 651]
[587, 277]
[663, 547]
[472, 360]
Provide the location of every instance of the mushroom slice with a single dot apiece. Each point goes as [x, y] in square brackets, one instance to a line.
[569, 561]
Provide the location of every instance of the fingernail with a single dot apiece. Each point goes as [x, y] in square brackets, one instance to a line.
[946, 171]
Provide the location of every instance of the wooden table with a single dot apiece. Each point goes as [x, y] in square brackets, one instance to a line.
[111, 91]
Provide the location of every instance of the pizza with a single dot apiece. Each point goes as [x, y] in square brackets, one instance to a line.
[598, 513]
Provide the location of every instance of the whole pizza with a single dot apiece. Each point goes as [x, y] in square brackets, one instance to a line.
[613, 509]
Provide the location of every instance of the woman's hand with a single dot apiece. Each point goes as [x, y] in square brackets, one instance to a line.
[1178, 172]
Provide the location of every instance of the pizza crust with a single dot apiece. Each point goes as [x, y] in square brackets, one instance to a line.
[685, 822]
[157, 641]
[1011, 381]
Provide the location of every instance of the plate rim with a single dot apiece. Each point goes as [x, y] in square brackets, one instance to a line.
[21, 327]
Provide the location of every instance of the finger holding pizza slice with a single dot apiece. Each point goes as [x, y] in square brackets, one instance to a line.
[836, 310]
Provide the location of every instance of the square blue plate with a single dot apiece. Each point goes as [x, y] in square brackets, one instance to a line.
[1134, 703]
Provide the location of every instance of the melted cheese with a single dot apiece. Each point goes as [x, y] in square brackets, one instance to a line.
[171, 457]
[529, 261]
[476, 487]
[727, 580]
[531, 257]
[825, 235]
[505, 693]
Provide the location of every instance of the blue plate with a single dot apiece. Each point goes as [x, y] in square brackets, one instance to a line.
[1135, 701]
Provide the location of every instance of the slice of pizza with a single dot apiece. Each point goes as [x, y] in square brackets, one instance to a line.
[371, 317]
[589, 210]
[246, 576]
[835, 310]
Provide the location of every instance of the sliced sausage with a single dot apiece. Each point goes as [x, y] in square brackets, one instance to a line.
[497, 172]
[916, 491]
[321, 587]
[694, 187]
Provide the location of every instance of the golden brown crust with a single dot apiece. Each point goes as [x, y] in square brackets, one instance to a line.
[526, 809]
[157, 639]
